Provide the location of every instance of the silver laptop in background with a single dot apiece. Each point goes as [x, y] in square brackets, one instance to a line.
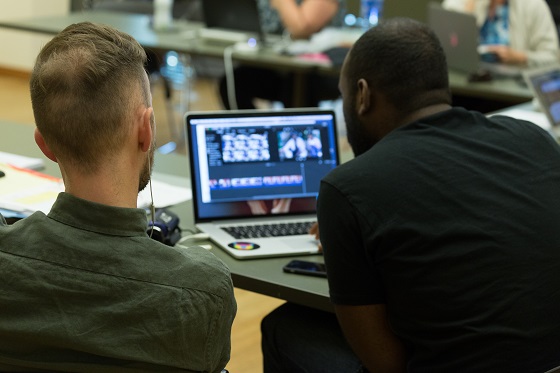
[459, 36]
[255, 177]
[544, 82]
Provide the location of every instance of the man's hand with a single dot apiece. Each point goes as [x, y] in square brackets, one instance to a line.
[314, 231]
[508, 55]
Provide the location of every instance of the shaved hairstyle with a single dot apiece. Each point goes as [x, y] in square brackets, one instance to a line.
[85, 87]
[404, 60]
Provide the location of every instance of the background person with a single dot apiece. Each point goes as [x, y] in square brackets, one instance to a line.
[84, 288]
[435, 262]
[301, 19]
[294, 148]
[519, 32]
[314, 146]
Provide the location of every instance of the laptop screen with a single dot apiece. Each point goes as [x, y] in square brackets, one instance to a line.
[238, 15]
[246, 163]
[545, 84]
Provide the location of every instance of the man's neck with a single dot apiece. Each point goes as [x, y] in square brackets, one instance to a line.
[424, 112]
[119, 189]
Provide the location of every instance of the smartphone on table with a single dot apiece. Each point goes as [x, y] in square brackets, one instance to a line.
[305, 267]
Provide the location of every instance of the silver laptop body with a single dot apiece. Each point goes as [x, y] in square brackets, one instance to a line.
[544, 82]
[231, 21]
[459, 37]
[252, 168]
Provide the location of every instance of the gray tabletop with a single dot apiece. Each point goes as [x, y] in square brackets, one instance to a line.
[184, 38]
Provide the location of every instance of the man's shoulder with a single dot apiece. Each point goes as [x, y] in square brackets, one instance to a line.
[355, 172]
[200, 259]
[28, 227]
[191, 267]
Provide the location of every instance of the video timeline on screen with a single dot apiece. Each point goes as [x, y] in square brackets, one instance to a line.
[240, 145]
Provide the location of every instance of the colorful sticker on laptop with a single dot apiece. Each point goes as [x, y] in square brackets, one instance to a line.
[239, 245]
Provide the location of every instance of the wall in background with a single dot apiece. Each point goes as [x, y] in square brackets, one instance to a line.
[19, 48]
[416, 9]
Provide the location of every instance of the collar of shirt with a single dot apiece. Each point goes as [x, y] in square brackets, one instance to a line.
[99, 218]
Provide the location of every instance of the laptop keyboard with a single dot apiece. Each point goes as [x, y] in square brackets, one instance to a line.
[269, 230]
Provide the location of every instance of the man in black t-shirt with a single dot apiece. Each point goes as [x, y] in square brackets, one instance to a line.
[441, 237]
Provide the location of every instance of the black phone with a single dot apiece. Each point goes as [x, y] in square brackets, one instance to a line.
[304, 267]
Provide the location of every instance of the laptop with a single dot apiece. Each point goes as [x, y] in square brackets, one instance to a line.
[459, 37]
[254, 170]
[231, 21]
[544, 82]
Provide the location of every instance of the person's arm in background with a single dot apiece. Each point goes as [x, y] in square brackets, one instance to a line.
[459, 5]
[535, 34]
[307, 18]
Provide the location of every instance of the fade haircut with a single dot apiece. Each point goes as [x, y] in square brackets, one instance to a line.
[404, 60]
[85, 86]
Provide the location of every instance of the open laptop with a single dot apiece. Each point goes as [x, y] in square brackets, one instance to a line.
[459, 37]
[545, 84]
[252, 168]
[231, 21]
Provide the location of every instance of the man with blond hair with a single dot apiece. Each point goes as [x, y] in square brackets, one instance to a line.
[84, 288]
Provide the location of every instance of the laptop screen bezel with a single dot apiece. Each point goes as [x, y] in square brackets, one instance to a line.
[531, 76]
[247, 18]
[189, 116]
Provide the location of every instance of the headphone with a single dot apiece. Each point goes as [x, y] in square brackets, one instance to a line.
[164, 227]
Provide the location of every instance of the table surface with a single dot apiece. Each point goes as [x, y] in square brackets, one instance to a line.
[264, 276]
[184, 38]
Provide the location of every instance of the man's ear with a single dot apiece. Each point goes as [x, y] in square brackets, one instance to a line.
[43, 146]
[146, 133]
[363, 97]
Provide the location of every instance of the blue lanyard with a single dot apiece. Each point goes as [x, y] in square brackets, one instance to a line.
[495, 30]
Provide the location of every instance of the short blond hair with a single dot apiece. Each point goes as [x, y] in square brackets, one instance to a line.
[86, 83]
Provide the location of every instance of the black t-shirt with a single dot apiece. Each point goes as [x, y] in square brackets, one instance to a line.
[453, 222]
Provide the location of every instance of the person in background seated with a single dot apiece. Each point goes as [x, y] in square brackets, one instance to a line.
[294, 148]
[517, 32]
[84, 288]
[440, 237]
[300, 19]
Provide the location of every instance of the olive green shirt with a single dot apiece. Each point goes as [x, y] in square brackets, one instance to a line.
[85, 289]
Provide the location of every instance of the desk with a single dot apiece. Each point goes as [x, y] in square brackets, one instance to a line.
[508, 90]
[262, 276]
[183, 39]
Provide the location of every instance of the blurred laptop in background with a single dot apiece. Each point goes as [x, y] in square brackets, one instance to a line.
[459, 36]
[231, 21]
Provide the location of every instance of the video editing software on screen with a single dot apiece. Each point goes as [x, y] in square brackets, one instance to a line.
[261, 158]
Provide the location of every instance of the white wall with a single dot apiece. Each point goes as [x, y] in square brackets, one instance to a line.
[18, 49]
